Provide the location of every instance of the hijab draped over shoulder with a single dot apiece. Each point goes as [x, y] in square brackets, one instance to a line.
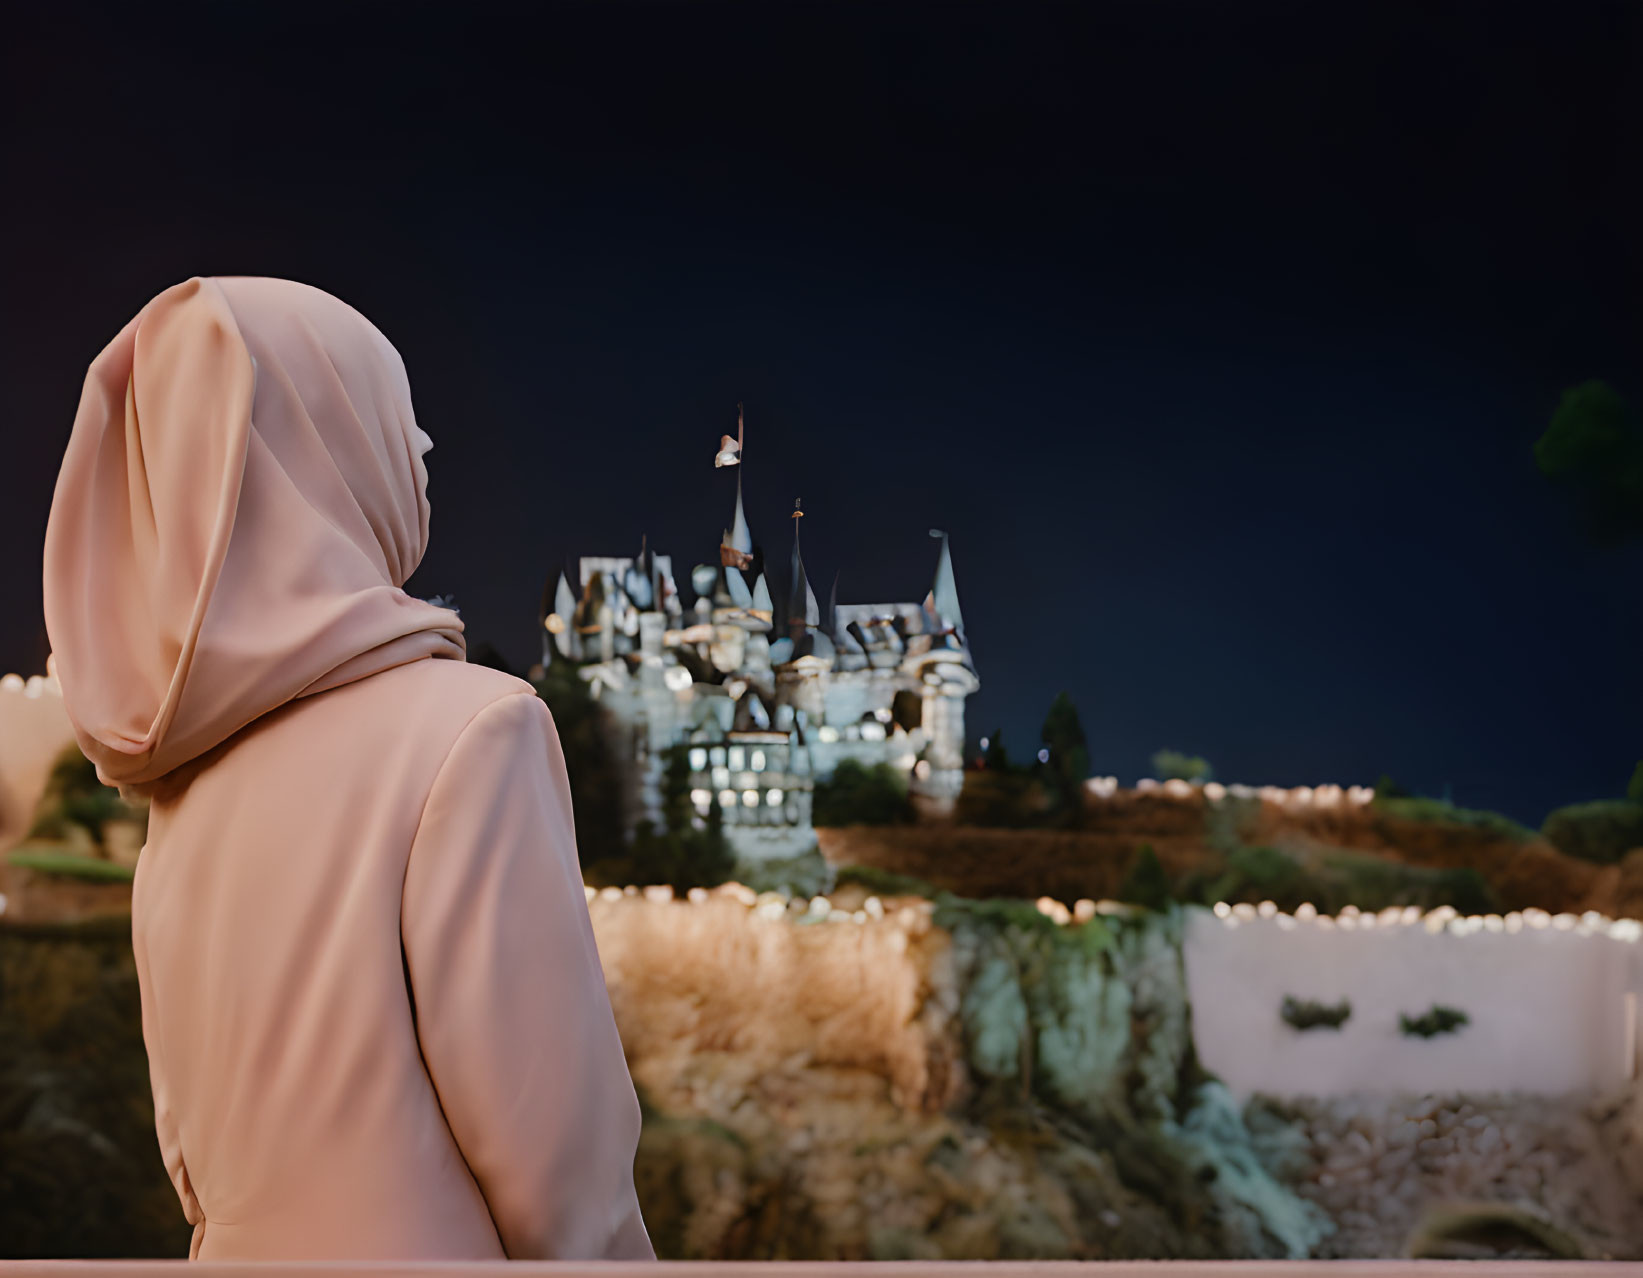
[242, 498]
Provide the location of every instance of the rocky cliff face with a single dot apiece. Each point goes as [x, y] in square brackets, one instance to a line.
[969, 1082]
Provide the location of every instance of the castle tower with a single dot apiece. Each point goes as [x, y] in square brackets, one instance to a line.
[946, 676]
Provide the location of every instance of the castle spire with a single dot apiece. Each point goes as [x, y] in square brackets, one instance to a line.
[943, 597]
[802, 610]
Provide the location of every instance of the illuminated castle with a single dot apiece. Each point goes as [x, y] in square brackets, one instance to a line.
[766, 701]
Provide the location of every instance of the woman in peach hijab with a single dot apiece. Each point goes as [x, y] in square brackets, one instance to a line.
[376, 1022]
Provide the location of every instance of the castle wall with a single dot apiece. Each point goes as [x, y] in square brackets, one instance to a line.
[1552, 1003]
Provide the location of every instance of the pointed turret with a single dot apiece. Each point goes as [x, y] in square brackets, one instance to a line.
[762, 606]
[802, 611]
[564, 610]
[942, 601]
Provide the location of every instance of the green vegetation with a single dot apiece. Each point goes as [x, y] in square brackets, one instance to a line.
[1335, 878]
[1172, 765]
[687, 851]
[1634, 788]
[75, 804]
[1412, 808]
[860, 795]
[1436, 1020]
[1048, 793]
[1594, 450]
[1603, 831]
[883, 882]
[1145, 883]
[585, 736]
[47, 859]
[1304, 1014]
[1068, 765]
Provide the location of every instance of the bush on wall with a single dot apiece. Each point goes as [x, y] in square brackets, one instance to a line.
[1305, 1014]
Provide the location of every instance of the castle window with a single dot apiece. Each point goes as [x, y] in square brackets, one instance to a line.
[872, 730]
[703, 799]
[747, 780]
[737, 759]
[750, 798]
[828, 734]
[698, 760]
[773, 798]
[727, 798]
[717, 754]
[757, 761]
[721, 778]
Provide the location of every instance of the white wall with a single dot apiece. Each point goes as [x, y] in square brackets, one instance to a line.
[1548, 1002]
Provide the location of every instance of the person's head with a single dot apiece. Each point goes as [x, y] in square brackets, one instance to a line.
[242, 499]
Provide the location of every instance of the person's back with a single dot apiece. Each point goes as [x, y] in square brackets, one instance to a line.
[375, 1017]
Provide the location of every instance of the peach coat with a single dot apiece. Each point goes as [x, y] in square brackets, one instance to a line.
[376, 1022]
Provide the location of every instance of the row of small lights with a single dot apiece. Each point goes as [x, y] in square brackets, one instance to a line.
[765, 905]
[1443, 918]
[33, 686]
[1318, 796]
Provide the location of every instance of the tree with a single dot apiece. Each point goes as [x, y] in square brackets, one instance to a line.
[1172, 765]
[1068, 764]
[995, 758]
[1146, 884]
[1634, 791]
[1594, 449]
[585, 736]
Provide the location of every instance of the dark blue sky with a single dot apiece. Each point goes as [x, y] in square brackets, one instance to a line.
[1216, 336]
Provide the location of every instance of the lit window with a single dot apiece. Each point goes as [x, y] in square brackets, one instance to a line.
[717, 754]
[721, 778]
[727, 798]
[703, 799]
[757, 761]
[773, 798]
[882, 714]
[737, 759]
[1043, 756]
[828, 734]
[872, 731]
[698, 760]
[750, 798]
[922, 770]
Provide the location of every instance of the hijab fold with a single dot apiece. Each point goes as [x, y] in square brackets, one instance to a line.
[242, 499]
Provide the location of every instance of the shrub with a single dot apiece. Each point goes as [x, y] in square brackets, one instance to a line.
[1634, 788]
[1436, 1020]
[1603, 831]
[1304, 1014]
[1172, 765]
[859, 795]
[1439, 811]
[1145, 883]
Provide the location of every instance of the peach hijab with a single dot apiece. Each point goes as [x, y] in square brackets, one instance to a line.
[242, 498]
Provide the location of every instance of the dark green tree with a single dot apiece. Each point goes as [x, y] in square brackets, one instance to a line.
[586, 733]
[1634, 790]
[1068, 765]
[1146, 884]
[1594, 449]
[995, 757]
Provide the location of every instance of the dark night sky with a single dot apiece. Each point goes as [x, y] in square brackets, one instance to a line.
[1216, 335]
